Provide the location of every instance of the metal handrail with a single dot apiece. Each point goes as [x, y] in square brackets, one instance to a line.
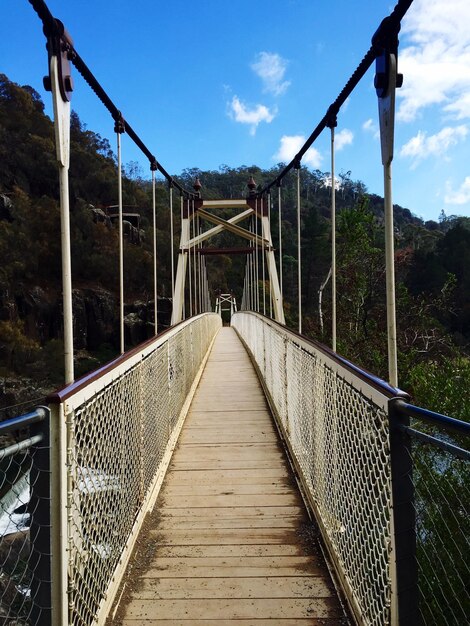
[431, 417]
[39, 414]
[374, 381]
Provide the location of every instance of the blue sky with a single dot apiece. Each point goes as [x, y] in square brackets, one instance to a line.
[244, 82]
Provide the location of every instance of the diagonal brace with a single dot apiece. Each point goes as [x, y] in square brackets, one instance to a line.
[217, 229]
[237, 230]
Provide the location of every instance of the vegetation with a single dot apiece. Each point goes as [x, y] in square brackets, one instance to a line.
[432, 258]
[432, 261]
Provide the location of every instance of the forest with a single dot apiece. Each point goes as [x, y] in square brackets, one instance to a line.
[432, 260]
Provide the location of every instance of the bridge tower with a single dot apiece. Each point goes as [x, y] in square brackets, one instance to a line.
[252, 206]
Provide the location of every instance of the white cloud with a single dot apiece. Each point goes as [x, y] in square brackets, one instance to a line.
[290, 145]
[241, 113]
[436, 66]
[343, 138]
[421, 145]
[460, 195]
[372, 127]
[271, 67]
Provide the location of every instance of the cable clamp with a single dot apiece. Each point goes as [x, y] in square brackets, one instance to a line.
[60, 45]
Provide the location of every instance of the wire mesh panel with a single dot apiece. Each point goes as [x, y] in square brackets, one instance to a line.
[336, 426]
[442, 504]
[25, 575]
[118, 431]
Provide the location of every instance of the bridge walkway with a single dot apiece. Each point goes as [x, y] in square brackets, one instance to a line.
[229, 540]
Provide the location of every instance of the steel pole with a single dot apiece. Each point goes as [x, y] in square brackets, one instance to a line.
[299, 254]
[333, 242]
[279, 200]
[390, 277]
[172, 244]
[154, 213]
[263, 271]
[62, 139]
[386, 82]
[184, 288]
[256, 259]
[121, 247]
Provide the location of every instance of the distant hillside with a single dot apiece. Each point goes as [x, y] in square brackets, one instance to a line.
[432, 258]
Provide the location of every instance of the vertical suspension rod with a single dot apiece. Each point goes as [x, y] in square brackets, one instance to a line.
[263, 272]
[299, 252]
[190, 268]
[119, 128]
[256, 258]
[172, 245]
[154, 215]
[195, 289]
[279, 206]
[270, 285]
[332, 124]
[184, 291]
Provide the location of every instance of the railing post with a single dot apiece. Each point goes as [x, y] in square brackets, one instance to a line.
[58, 503]
[40, 528]
[403, 563]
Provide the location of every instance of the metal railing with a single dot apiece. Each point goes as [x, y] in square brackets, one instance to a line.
[25, 574]
[114, 432]
[434, 472]
[392, 512]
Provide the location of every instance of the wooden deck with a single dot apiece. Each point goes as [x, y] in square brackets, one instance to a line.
[229, 541]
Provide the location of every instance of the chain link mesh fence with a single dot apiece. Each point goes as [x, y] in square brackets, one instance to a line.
[336, 426]
[441, 480]
[117, 436]
[24, 521]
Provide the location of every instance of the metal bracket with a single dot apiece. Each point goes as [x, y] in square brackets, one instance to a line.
[60, 45]
[386, 81]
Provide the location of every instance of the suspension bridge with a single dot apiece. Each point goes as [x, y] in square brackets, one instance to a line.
[237, 474]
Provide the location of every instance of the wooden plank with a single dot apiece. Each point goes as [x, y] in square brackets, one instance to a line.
[219, 536]
[211, 436]
[214, 608]
[269, 549]
[222, 567]
[230, 522]
[206, 464]
[231, 476]
[229, 622]
[230, 500]
[264, 587]
[215, 488]
[225, 544]
[230, 512]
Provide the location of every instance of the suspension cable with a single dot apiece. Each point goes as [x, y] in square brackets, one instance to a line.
[53, 28]
[389, 27]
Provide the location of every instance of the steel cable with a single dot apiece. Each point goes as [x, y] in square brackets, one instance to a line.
[388, 28]
[52, 29]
